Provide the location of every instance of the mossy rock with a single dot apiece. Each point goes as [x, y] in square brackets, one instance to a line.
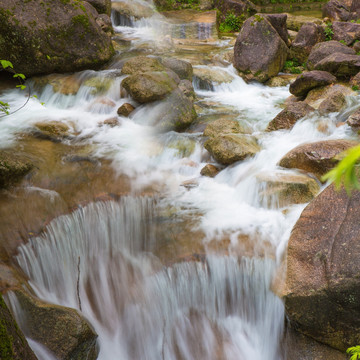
[13, 167]
[99, 85]
[62, 330]
[51, 130]
[13, 345]
[41, 37]
[140, 65]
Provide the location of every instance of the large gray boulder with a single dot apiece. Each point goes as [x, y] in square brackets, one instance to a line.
[310, 80]
[322, 283]
[259, 51]
[59, 36]
[309, 35]
[322, 50]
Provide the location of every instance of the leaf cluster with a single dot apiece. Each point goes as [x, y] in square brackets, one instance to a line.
[346, 172]
[232, 22]
[354, 352]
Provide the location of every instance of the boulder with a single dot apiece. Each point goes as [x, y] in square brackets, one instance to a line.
[223, 126]
[282, 189]
[310, 80]
[340, 65]
[229, 148]
[187, 89]
[238, 7]
[149, 86]
[356, 46]
[355, 9]
[354, 120]
[278, 21]
[259, 51]
[62, 36]
[309, 35]
[317, 96]
[101, 6]
[281, 80]
[141, 64]
[209, 170]
[176, 112]
[316, 158]
[322, 283]
[182, 68]
[125, 109]
[336, 10]
[13, 167]
[322, 50]
[105, 24]
[347, 32]
[13, 343]
[287, 118]
[207, 78]
[295, 22]
[62, 330]
[335, 102]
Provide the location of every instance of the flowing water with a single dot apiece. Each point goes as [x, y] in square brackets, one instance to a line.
[119, 262]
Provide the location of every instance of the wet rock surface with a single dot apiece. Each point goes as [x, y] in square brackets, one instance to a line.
[316, 158]
[322, 271]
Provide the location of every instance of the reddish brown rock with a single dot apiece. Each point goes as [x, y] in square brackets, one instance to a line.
[259, 51]
[310, 80]
[125, 109]
[287, 118]
[322, 50]
[347, 32]
[316, 158]
[209, 170]
[354, 120]
[323, 283]
[309, 35]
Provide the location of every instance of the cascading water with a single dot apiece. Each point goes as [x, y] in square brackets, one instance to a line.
[104, 258]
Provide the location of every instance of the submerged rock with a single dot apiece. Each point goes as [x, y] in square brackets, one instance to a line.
[63, 84]
[259, 51]
[13, 343]
[317, 158]
[132, 9]
[287, 118]
[283, 189]
[310, 80]
[51, 130]
[322, 282]
[229, 148]
[62, 36]
[62, 330]
[206, 78]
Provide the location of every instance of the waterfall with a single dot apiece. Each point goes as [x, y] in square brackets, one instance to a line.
[142, 310]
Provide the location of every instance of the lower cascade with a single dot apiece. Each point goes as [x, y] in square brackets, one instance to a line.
[158, 219]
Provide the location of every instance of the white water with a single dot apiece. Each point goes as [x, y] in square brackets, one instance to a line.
[221, 308]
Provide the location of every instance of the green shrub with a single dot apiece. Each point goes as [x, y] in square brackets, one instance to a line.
[354, 352]
[293, 66]
[232, 22]
[329, 32]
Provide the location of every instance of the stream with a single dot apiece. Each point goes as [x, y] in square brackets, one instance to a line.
[180, 266]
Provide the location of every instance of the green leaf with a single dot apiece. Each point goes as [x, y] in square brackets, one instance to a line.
[5, 64]
[22, 76]
[22, 87]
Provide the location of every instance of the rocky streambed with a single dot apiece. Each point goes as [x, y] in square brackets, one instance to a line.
[146, 207]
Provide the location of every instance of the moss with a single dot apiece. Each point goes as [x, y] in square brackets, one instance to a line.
[81, 19]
